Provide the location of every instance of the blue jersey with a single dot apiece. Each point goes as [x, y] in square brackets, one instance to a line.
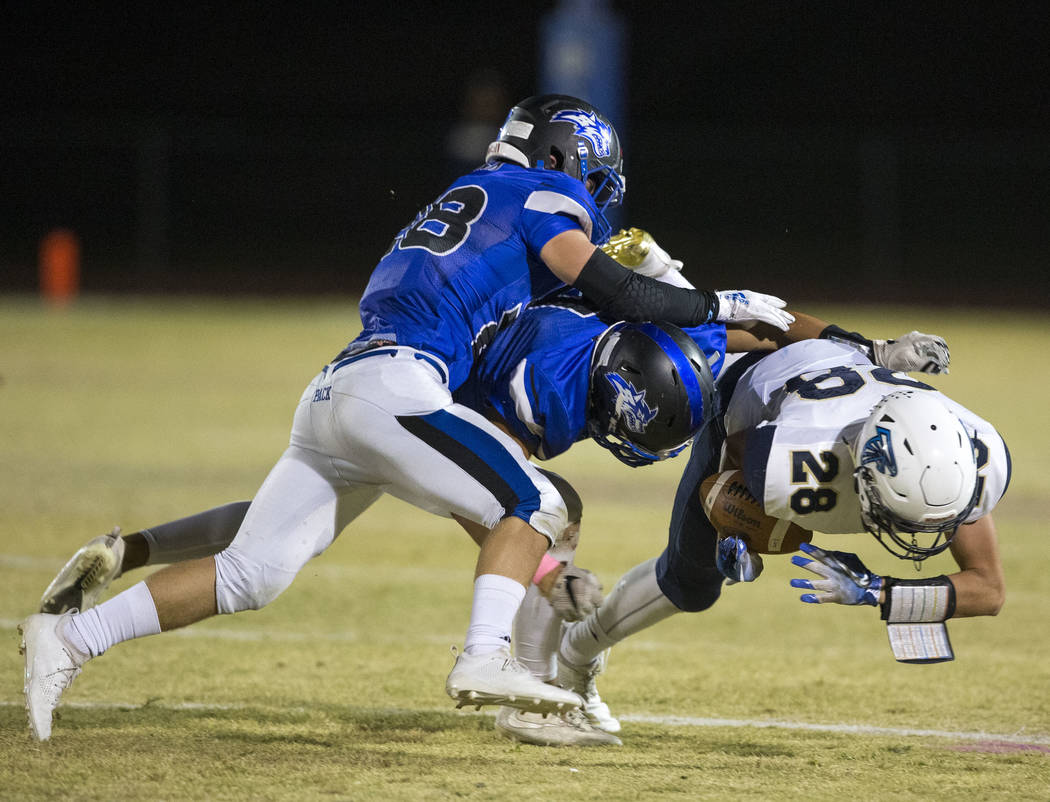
[470, 262]
[535, 374]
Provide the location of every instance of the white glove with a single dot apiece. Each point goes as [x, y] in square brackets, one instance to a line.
[916, 351]
[844, 578]
[576, 593]
[742, 306]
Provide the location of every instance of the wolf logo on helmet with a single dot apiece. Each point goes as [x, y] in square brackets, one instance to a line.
[630, 407]
[596, 131]
[569, 135]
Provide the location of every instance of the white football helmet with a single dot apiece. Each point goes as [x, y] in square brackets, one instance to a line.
[916, 472]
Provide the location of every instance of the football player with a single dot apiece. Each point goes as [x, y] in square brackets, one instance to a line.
[642, 389]
[829, 440]
[558, 374]
[381, 418]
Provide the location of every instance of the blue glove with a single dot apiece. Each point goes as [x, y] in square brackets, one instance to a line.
[846, 580]
[735, 562]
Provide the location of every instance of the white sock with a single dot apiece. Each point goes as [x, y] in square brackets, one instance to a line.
[496, 602]
[131, 614]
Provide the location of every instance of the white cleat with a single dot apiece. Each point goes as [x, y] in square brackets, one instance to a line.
[497, 678]
[51, 666]
[86, 576]
[582, 680]
[565, 729]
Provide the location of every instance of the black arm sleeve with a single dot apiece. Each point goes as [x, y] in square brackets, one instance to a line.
[622, 294]
[852, 338]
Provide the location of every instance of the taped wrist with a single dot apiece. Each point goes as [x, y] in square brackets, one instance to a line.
[851, 338]
[625, 295]
[918, 601]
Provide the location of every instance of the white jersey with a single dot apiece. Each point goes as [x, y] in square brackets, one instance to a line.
[802, 406]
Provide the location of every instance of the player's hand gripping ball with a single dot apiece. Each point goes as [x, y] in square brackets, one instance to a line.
[735, 562]
[734, 512]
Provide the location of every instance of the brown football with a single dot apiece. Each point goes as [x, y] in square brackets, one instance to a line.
[734, 511]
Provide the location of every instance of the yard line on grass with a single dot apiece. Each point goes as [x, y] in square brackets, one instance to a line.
[849, 729]
[1014, 739]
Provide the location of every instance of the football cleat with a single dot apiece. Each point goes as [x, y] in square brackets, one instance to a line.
[86, 576]
[583, 680]
[51, 666]
[565, 729]
[496, 678]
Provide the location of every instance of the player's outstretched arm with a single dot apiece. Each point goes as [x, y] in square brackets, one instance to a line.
[980, 588]
[761, 337]
[915, 351]
[626, 295]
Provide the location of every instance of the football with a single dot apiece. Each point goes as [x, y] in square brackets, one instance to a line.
[734, 511]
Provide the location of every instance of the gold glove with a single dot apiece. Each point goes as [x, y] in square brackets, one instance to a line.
[629, 246]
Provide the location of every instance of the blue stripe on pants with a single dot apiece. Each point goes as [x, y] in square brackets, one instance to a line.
[479, 454]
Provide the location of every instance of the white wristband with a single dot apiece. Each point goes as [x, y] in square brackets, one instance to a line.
[920, 643]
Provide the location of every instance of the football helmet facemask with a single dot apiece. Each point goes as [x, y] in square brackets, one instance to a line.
[582, 141]
[916, 473]
[651, 390]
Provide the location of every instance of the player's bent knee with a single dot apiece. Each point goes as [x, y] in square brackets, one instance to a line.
[242, 583]
[691, 590]
[572, 500]
[544, 511]
[696, 598]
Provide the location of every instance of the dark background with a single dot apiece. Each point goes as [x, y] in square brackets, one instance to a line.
[895, 152]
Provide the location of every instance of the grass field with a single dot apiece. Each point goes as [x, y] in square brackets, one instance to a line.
[134, 412]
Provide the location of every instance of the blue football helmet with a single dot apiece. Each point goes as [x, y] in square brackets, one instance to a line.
[651, 390]
[582, 142]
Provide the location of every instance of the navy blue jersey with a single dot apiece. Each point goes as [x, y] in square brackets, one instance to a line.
[535, 374]
[470, 262]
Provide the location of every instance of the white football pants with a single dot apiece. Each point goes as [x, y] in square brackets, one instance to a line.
[382, 421]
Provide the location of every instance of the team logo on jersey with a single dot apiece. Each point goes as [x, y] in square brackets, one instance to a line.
[587, 124]
[878, 452]
[630, 407]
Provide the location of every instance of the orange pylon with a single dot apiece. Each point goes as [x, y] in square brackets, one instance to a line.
[59, 267]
